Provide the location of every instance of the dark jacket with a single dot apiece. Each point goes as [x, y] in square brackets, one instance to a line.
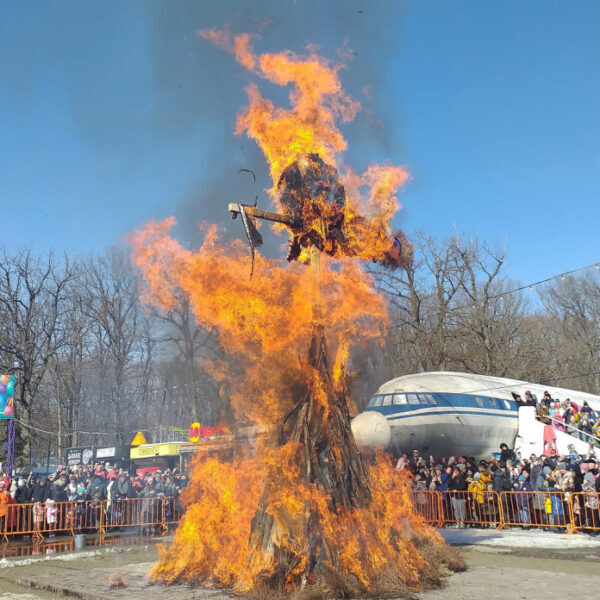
[96, 490]
[502, 481]
[59, 492]
[41, 493]
[23, 494]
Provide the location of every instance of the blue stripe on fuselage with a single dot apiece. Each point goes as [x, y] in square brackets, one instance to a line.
[453, 403]
[507, 415]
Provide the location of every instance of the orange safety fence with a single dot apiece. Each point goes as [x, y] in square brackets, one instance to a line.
[35, 519]
[428, 504]
[585, 511]
[135, 512]
[173, 511]
[536, 509]
[480, 507]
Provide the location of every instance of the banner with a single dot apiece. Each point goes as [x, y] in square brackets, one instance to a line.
[7, 396]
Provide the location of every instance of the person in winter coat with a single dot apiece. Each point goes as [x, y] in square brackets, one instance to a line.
[522, 497]
[502, 481]
[5, 501]
[477, 490]
[541, 485]
[505, 454]
[564, 480]
[457, 486]
[41, 491]
[24, 492]
[588, 487]
[96, 490]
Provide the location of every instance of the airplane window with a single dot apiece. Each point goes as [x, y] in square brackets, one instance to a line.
[399, 399]
[378, 400]
[412, 398]
[492, 402]
[372, 402]
[427, 399]
[387, 400]
[479, 402]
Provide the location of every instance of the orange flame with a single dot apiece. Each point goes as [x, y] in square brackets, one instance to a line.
[265, 325]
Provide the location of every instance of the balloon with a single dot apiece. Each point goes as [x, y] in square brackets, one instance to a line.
[8, 411]
[10, 387]
[2, 401]
[4, 379]
[2, 388]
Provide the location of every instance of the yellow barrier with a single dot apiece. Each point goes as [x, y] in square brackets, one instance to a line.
[536, 509]
[553, 510]
[428, 504]
[136, 512]
[585, 513]
[471, 508]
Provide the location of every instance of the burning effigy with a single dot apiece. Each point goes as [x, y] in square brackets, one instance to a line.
[306, 512]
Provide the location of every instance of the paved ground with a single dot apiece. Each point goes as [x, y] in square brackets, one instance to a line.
[502, 565]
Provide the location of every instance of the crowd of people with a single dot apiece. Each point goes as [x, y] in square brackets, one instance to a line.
[471, 489]
[90, 489]
[580, 421]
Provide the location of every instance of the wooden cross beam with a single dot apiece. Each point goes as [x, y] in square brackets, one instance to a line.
[257, 213]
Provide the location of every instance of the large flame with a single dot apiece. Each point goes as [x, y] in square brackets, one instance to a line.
[265, 325]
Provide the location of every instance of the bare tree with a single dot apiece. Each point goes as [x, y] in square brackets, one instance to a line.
[111, 303]
[573, 305]
[423, 297]
[192, 344]
[33, 311]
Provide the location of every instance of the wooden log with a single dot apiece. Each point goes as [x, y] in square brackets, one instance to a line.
[257, 213]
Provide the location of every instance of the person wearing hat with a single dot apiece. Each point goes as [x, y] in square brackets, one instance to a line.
[588, 487]
[5, 500]
[564, 480]
[457, 486]
[477, 491]
[523, 489]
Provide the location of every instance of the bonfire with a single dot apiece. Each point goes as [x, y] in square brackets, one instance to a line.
[306, 513]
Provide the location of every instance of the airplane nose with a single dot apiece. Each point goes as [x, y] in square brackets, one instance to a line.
[371, 429]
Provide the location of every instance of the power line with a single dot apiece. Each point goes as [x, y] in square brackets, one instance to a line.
[521, 288]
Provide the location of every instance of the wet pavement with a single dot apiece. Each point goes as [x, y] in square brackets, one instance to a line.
[501, 565]
[58, 545]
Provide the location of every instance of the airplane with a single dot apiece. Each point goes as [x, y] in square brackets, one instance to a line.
[461, 414]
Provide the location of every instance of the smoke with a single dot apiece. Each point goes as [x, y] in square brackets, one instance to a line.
[155, 103]
[196, 80]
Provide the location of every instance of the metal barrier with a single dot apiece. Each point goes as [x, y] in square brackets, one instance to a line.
[36, 519]
[429, 505]
[135, 512]
[46, 519]
[472, 508]
[536, 509]
[585, 511]
[481, 508]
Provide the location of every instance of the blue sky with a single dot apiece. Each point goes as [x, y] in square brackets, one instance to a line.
[113, 113]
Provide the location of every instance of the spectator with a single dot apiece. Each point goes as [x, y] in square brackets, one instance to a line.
[5, 501]
[505, 454]
[458, 484]
[522, 499]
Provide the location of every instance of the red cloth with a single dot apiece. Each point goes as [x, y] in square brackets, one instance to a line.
[549, 439]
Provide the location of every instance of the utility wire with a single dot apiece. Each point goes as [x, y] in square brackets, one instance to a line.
[528, 286]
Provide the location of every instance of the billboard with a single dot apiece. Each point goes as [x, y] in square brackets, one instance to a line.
[7, 396]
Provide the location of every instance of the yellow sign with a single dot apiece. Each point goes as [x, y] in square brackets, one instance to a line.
[194, 432]
[139, 439]
[169, 449]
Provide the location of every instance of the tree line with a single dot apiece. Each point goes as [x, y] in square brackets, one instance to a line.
[93, 365]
